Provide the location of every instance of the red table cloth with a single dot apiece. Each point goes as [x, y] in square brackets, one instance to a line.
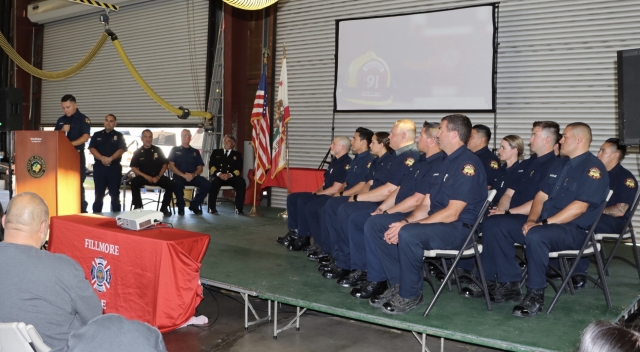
[148, 275]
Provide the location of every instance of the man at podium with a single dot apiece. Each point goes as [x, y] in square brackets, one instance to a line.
[76, 127]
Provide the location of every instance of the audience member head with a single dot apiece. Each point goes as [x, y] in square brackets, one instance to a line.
[112, 332]
[380, 144]
[612, 152]
[27, 220]
[602, 336]
[147, 138]
[402, 134]
[185, 137]
[427, 142]
[576, 139]
[69, 105]
[361, 140]
[544, 135]
[511, 148]
[229, 142]
[110, 122]
[455, 131]
[340, 146]
[480, 137]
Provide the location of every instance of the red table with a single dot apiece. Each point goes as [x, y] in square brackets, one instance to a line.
[149, 275]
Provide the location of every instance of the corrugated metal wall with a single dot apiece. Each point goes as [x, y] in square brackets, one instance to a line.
[155, 36]
[556, 61]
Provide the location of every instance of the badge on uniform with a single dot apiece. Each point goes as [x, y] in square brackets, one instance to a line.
[234, 157]
[368, 165]
[346, 167]
[494, 165]
[194, 153]
[115, 138]
[155, 156]
[409, 161]
[594, 173]
[469, 170]
[630, 183]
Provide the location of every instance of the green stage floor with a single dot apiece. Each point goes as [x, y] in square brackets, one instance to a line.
[243, 253]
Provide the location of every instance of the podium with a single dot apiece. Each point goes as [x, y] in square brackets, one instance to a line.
[47, 164]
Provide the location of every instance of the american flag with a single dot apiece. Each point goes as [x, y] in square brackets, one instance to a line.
[260, 131]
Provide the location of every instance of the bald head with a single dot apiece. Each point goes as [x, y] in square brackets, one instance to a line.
[27, 219]
[402, 134]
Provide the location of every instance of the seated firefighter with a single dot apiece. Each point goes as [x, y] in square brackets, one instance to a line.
[186, 164]
[225, 166]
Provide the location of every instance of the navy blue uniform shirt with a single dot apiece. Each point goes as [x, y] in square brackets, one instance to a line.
[379, 169]
[149, 160]
[529, 175]
[337, 171]
[79, 125]
[490, 163]
[399, 166]
[417, 179]
[186, 160]
[459, 177]
[358, 169]
[624, 186]
[504, 180]
[107, 143]
[583, 178]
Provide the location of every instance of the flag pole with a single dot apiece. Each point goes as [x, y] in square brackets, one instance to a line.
[254, 209]
[284, 214]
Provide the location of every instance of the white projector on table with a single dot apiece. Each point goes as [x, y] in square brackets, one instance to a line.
[138, 219]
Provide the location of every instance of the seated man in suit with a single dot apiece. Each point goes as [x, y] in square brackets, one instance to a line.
[186, 164]
[46, 290]
[225, 166]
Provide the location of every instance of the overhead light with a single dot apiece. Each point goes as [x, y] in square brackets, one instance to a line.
[250, 4]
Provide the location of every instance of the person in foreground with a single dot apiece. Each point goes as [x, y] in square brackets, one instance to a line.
[48, 291]
[114, 333]
[603, 335]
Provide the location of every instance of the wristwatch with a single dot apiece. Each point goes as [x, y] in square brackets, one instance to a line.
[544, 221]
[507, 211]
[341, 192]
[385, 212]
[406, 220]
[355, 197]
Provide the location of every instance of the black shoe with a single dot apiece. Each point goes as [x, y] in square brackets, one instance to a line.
[553, 274]
[384, 297]
[291, 236]
[532, 303]
[239, 212]
[324, 267]
[326, 260]
[300, 244]
[195, 209]
[316, 255]
[506, 291]
[335, 272]
[369, 289]
[474, 291]
[180, 211]
[313, 248]
[579, 282]
[399, 305]
[213, 211]
[354, 279]
[165, 211]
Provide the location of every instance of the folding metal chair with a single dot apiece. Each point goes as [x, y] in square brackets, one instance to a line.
[626, 233]
[20, 337]
[589, 247]
[470, 249]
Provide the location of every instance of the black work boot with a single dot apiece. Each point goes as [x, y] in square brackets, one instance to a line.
[398, 305]
[384, 297]
[475, 291]
[300, 244]
[532, 303]
[291, 236]
[506, 291]
[354, 279]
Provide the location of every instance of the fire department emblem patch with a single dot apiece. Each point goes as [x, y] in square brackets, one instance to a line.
[594, 173]
[469, 170]
[630, 183]
[409, 161]
[494, 165]
[100, 274]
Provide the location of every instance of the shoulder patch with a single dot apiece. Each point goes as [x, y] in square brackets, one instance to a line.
[594, 173]
[86, 119]
[409, 161]
[494, 165]
[631, 183]
[469, 170]
[368, 165]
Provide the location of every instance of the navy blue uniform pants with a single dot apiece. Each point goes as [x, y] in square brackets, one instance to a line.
[83, 176]
[332, 226]
[375, 227]
[239, 186]
[345, 212]
[107, 177]
[405, 260]
[296, 213]
[139, 182]
[178, 189]
[313, 213]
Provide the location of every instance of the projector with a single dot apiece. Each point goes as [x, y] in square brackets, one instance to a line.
[138, 219]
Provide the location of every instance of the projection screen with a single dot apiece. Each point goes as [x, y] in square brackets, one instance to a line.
[434, 61]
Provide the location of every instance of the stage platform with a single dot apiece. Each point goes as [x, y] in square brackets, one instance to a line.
[244, 256]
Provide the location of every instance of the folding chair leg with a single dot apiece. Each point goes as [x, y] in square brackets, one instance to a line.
[565, 264]
[635, 251]
[446, 270]
[158, 203]
[427, 275]
[603, 280]
[482, 278]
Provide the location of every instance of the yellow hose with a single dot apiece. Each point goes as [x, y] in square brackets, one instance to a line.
[52, 75]
[145, 86]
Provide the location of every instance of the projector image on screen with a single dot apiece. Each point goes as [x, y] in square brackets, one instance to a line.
[138, 219]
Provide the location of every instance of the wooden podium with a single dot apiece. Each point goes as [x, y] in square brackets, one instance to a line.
[47, 164]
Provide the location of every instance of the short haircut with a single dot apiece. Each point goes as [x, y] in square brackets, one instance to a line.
[586, 129]
[344, 141]
[550, 128]
[432, 128]
[365, 133]
[26, 209]
[461, 124]
[408, 126]
[606, 336]
[515, 142]
[621, 148]
[484, 131]
[68, 97]
[230, 137]
[112, 115]
[186, 129]
[383, 137]
[147, 130]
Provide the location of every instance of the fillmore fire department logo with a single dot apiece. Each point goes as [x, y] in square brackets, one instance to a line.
[100, 274]
[630, 183]
[36, 166]
[469, 170]
[594, 173]
[494, 165]
[409, 161]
